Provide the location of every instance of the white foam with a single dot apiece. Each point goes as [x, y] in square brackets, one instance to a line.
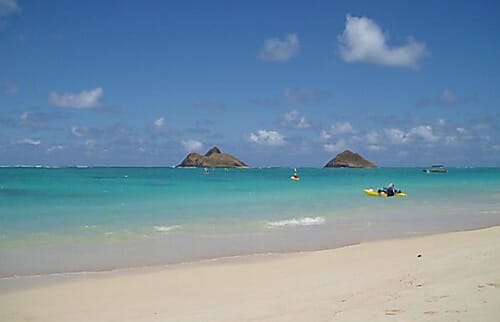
[304, 221]
[166, 229]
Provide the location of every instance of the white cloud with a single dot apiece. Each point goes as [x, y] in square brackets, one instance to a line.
[82, 100]
[451, 140]
[30, 119]
[264, 137]
[448, 97]
[466, 134]
[334, 147]
[395, 136]
[376, 139]
[280, 50]
[439, 135]
[424, 132]
[483, 125]
[27, 119]
[29, 142]
[93, 148]
[373, 138]
[159, 126]
[341, 128]
[364, 41]
[37, 119]
[295, 120]
[303, 123]
[380, 140]
[8, 7]
[55, 148]
[192, 145]
[337, 128]
[79, 131]
[325, 135]
[159, 123]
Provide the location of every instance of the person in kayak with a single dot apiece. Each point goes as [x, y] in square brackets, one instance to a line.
[390, 190]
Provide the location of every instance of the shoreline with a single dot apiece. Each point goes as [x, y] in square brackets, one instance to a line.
[317, 233]
[319, 238]
[273, 285]
[229, 258]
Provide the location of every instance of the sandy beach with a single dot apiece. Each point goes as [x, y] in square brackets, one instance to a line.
[444, 277]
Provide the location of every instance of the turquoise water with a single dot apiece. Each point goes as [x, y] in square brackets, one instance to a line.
[143, 212]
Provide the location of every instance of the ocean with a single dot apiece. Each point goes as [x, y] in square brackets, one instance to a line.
[57, 220]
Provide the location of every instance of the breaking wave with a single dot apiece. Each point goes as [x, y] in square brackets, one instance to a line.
[305, 221]
[166, 229]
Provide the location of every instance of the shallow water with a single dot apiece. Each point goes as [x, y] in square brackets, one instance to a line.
[74, 219]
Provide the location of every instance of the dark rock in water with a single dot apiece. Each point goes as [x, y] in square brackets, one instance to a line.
[349, 159]
[214, 158]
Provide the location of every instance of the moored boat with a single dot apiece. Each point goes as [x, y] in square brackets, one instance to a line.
[436, 168]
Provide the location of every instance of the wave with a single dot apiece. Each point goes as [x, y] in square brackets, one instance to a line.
[166, 229]
[304, 221]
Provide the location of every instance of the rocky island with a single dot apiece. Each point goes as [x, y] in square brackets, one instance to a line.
[214, 158]
[349, 159]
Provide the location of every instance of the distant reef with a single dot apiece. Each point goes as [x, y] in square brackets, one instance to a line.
[214, 158]
[349, 159]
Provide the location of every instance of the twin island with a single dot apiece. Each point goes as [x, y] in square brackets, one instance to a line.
[214, 158]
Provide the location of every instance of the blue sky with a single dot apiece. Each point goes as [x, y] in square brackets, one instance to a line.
[277, 83]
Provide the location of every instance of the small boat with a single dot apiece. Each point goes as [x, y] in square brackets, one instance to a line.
[436, 168]
[380, 193]
[295, 176]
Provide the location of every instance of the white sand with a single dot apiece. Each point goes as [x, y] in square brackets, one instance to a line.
[457, 278]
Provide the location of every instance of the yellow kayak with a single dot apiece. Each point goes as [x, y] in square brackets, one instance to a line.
[374, 193]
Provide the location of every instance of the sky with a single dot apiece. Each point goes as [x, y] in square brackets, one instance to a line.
[275, 83]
